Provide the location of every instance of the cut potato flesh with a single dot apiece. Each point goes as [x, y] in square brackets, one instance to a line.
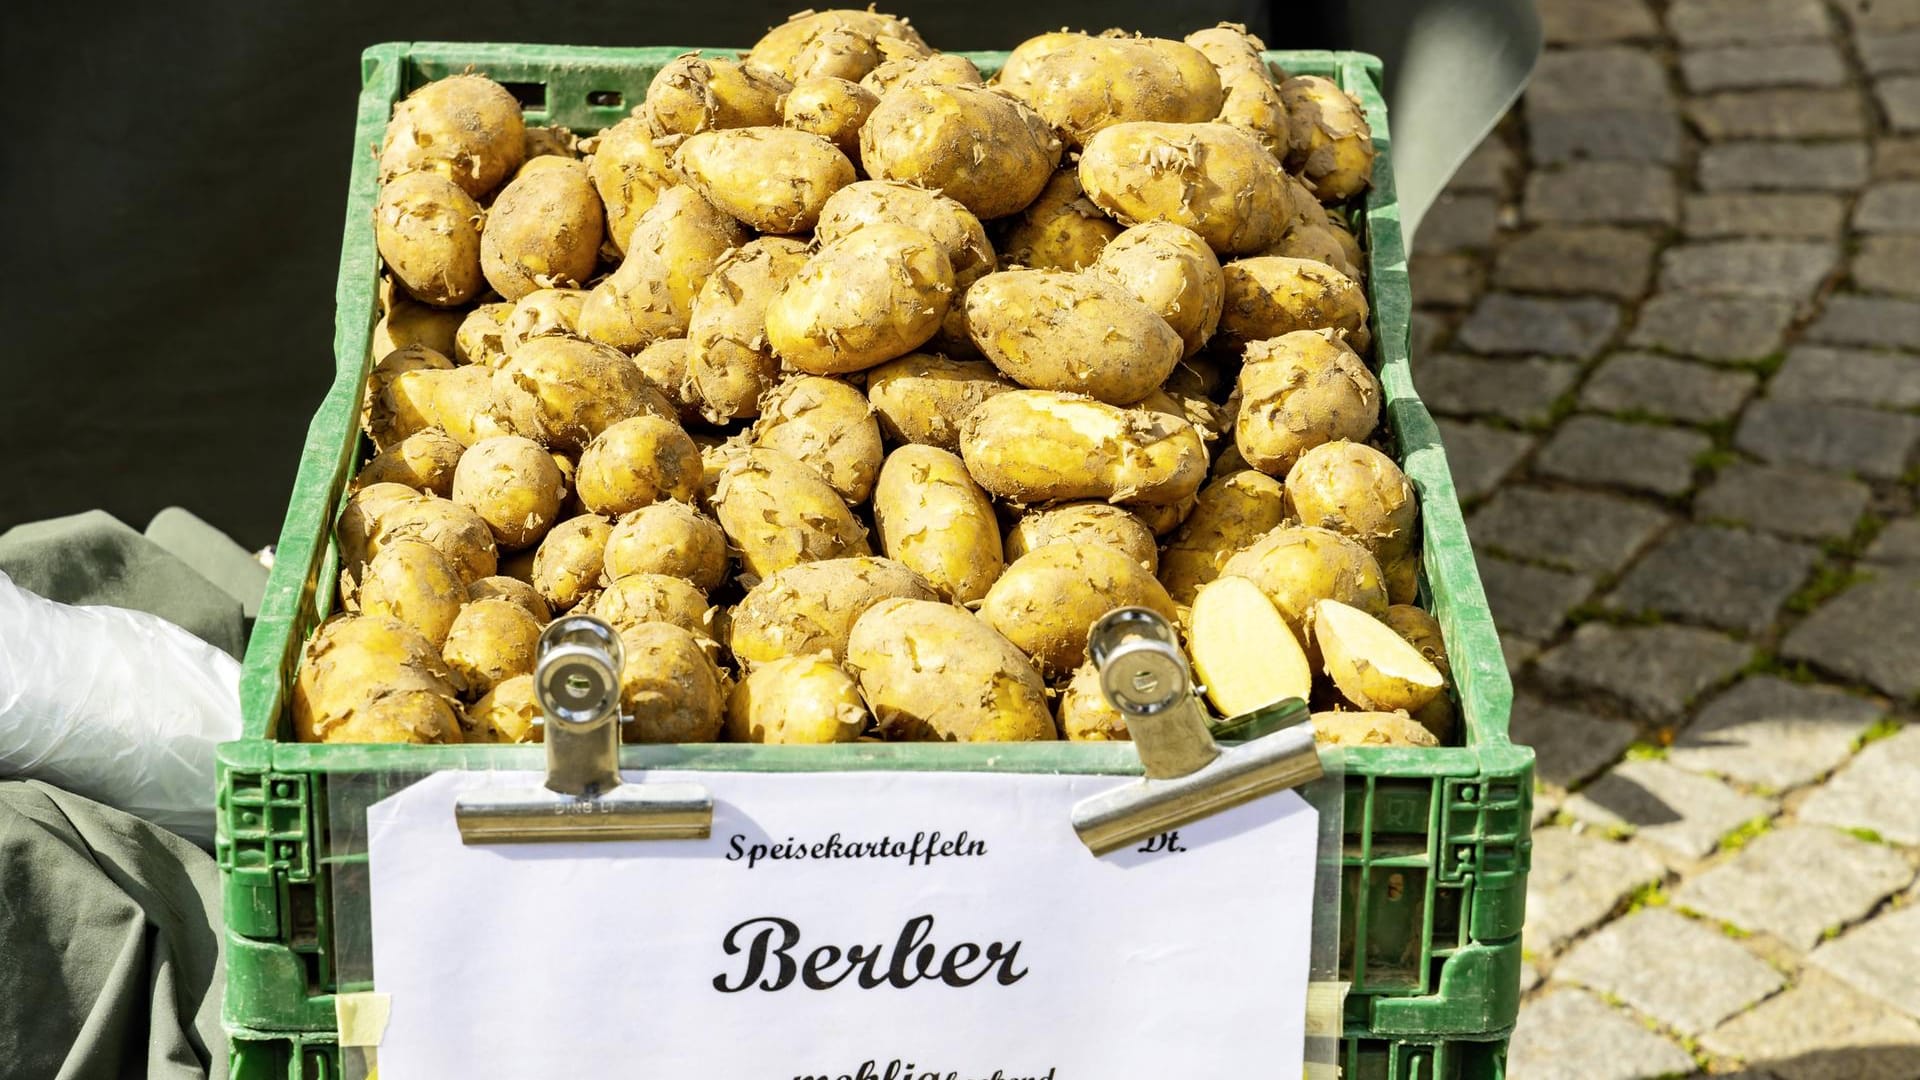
[1373, 666]
[1243, 650]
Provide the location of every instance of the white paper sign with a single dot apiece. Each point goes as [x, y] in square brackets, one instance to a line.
[845, 926]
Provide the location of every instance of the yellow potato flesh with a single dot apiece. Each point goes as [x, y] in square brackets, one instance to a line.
[1373, 666]
[1243, 650]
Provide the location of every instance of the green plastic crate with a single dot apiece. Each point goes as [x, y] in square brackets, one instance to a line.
[1436, 846]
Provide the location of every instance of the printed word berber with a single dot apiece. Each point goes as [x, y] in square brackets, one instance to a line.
[770, 944]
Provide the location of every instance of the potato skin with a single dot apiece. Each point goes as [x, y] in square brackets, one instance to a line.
[423, 461]
[1233, 512]
[1213, 179]
[569, 560]
[513, 485]
[880, 202]
[877, 293]
[513, 591]
[932, 517]
[1084, 523]
[827, 426]
[694, 94]
[932, 671]
[1358, 491]
[637, 461]
[1083, 86]
[467, 128]
[1300, 390]
[543, 231]
[1370, 729]
[1330, 141]
[654, 598]
[923, 397]
[1050, 597]
[1251, 99]
[1298, 566]
[805, 700]
[668, 538]
[1075, 333]
[1171, 270]
[383, 513]
[409, 322]
[832, 108]
[667, 364]
[629, 170]
[842, 43]
[778, 513]
[935, 136]
[581, 388]
[728, 357]
[812, 607]
[672, 250]
[369, 678]
[915, 69]
[1270, 295]
[1085, 713]
[773, 179]
[544, 313]
[428, 233]
[412, 582]
[1060, 230]
[482, 335]
[1038, 446]
[669, 687]
[491, 641]
[509, 713]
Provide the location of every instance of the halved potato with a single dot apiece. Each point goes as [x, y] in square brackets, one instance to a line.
[1243, 650]
[1371, 664]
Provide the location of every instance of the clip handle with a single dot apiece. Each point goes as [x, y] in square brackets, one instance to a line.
[577, 682]
[1144, 675]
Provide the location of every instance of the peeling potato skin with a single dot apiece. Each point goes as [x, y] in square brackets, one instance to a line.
[543, 231]
[411, 581]
[877, 293]
[834, 42]
[510, 713]
[1050, 597]
[828, 426]
[797, 700]
[568, 563]
[952, 226]
[1033, 446]
[986, 151]
[667, 364]
[515, 487]
[930, 671]
[729, 357]
[482, 336]
[1297, 566]
[923, 397]
[1214, 179]
[773, 179]
[1016, 72]
[1300, 390]
[1330, 141]
[669, 538]
[778, 514]
[1085, 713]
[638, 461]
[1357, 491]
[930, 516]
[381, 514]
[694, 94]
[633, 599]
[673, 249]
[1075, 333]
[373, 679]
[1085, 523]
[492, 641]
[630, 170]
[423, 461]
[1060, 230]
[1083, 86]
[1271, 295]
[669, 687]
[1233, 512]
[1251, 99]
[581, 388]
[940, 69]
[832, 108]
[428, 233]
[1370, 729]
[811, 608]
[514, 591]
[1171, 270]
[467, 128]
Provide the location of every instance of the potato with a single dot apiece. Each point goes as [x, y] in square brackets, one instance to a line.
[1173, 272]
[1271, 295]
[1374, 667]
[729, 358]
[513, 591]
[778, 513]
[773, 179]
[841, 43]
[668, 538]
[932, 517]
[509, 713]
[667, 364]
[464, 402]
[879, 202]
[423, 461]
[482, 337]
[1243, 650]
[581, 388]
[923, 397]
[669, 688]
[569, 561]
[387, 415]
[544, 313]
[1350, 247]
[1250, 98]
[369, 678]
[654, 598]
[1298, 566]
[831, 108]
[1092, 83]
[827, 426]
[1317, 243]
[1084, 523]
[428, 233]
[408, 322]
[1016, 72]
[637, 461]
[1370, 729]
[1055, 330]
[467, 128]
[1050, 597]
[1233, 512]
[877, 293]
[1038, 446]
[383, 513]
[1330, 141]
[811, 607]
[674, 247]
[932, 671]
[1213, 179]
[694, 94]
[1402, 572]
[513, 485]
[986, 151]
[491, 641]
[914, 68]
[1422, 631]
[796, 700]
[1354, 489]
[1298, 391]
[543, 231]
[1085, 713]
[411, 581]
[551, 140]
[629, 170]
[1061, 230]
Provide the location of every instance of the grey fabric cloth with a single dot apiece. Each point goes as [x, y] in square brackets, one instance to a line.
[212, 554]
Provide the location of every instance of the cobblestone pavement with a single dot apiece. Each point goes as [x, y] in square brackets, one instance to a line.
[1669, 316]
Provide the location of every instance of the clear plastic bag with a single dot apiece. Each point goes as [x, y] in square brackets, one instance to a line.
[119, 706]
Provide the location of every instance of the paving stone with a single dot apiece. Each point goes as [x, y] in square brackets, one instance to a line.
[1530, 601]
[1480, 456]
[1779, 114]
[1698, 23]
[1797, 215]
[1523, 391]
[1897, 543]
[1569, 745]
[1870, 632]
[1653, 670]
[1774, 733]
[1425, 331]
[1818, 435]
[1669, 389]
[1890, 54]
[1797, 881]
[1869, 17]
[1592, 22]
[1577, 880]
[1892, 207]
[1607, 261]
[1645, 457]
[1572, 1035]
[1792, 502]
[1458, 223]
[1878, 790]
[1687, 976]
[1682, 812]
[1849, 376]
[1879, 321]
[1746, 67]
[1574, 530]
[1729, 578]
[1529, 977]
[1783, 269]
[1896, 158]
[1879, 958]
[1900, 99]
[1603, 193]
[1503, 323]
[1568, 79]
[1821, 1030]
[1713, 328]
[1488, 170]
[1886, 264]
[1517, 652]
[1641, 133]
[1783, 166]
[1446, 280]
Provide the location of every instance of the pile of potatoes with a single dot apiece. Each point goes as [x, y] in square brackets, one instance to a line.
[852, 386]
